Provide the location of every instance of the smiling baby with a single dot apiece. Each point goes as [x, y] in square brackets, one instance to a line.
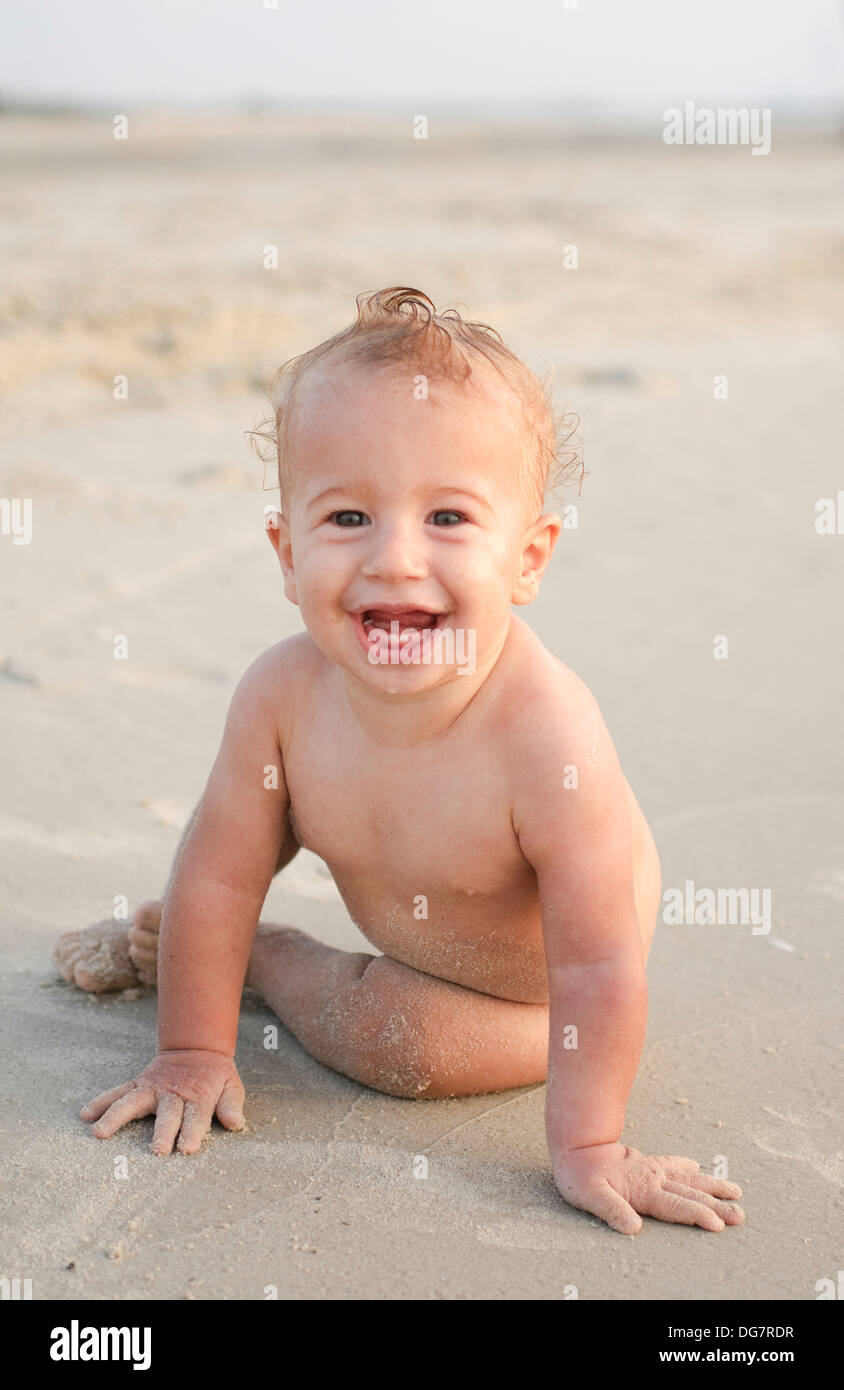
[455, 776]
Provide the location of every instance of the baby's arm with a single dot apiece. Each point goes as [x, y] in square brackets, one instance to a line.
[218, 889]
[579, 841]
[207, 927]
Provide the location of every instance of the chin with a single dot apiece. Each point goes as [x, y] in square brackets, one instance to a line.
[397, 679]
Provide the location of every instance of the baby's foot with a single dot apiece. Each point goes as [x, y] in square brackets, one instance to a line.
[143, 941]
[110, 955]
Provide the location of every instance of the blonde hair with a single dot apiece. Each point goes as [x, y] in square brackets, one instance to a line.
[402, 325]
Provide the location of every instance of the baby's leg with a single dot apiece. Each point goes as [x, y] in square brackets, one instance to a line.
[113, 955]
[370, 1017]
[394, 1028]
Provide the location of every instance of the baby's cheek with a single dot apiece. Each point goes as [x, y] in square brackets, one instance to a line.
[318, 587]
[486, 567]
[491, 580]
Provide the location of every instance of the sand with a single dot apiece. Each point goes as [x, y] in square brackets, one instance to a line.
[697, 519]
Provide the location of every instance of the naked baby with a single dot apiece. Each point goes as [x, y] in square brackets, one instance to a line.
[472, 812]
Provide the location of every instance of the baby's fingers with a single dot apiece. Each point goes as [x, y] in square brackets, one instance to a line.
[716, 1187]
[168, 1118]
[682, 1165]
[729, 1213]
[195, 1126]
[98, 1106]
[139, 1102]
[605, 1202]
[230, 1105]
[685, 1211]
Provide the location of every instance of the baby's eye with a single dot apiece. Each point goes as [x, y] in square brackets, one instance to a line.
[348, 518]
[451, 518]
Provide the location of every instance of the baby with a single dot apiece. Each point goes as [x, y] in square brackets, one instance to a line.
[457, 779]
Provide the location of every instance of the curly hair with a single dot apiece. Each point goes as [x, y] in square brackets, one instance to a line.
[399, 325]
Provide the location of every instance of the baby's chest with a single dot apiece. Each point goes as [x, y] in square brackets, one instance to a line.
[447, 835]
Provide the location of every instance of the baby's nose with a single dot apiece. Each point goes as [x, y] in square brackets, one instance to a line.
[395, 553]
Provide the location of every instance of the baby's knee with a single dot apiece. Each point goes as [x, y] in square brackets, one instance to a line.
[399, 1032]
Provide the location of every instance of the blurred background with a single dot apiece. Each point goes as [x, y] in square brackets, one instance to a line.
[288, 126]
[143, 260]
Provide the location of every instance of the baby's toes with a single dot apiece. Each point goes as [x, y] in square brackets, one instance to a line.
[147, 917]
[145, 961]
[143, 941]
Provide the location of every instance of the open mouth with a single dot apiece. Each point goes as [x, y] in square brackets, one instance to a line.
[370, 621]
[418, 618]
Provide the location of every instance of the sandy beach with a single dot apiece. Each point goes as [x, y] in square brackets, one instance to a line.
[145, 259]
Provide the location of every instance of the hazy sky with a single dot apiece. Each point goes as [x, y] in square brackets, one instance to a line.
[620, 53]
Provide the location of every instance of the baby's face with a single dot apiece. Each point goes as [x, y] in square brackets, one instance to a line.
[408, 511]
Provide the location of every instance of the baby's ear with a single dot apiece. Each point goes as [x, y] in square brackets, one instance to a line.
[525, 589]
[538, 547]
[278, 531]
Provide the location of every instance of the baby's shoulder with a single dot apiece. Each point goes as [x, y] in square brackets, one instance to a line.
[554, 720]
[293, 658]
[273, 684]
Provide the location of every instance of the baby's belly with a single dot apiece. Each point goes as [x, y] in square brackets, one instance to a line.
[490, 942]
[506, 960]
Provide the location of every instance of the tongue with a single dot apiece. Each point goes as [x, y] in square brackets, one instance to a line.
[412, 617]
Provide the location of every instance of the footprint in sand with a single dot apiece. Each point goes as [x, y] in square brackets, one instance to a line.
[783, 1139]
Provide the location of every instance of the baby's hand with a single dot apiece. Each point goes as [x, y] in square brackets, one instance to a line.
[184, 1090]
[616, 1183]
